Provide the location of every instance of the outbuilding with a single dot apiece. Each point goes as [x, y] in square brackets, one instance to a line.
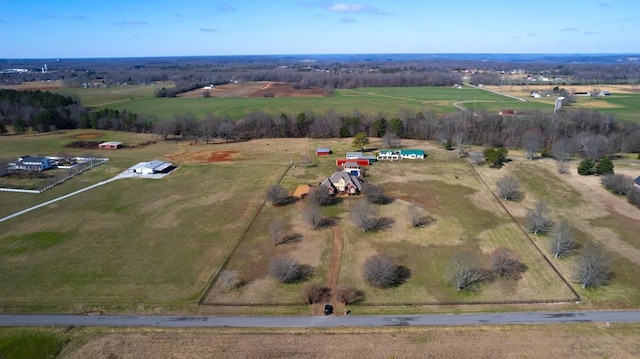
[152, 167]
[323, 151]
[110, 145]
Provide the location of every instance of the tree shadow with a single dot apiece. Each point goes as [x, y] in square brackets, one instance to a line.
[305, 271]
[291, 238]
[403, 274]
[383, 223]
[424, 221]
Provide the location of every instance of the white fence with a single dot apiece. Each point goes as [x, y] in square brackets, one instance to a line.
[93, 162]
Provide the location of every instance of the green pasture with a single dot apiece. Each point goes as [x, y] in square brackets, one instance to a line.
[133, 244]
[31, 343]
[373, 101]
[105, 97]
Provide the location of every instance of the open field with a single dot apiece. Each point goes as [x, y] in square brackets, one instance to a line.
[139, 245]
[505, 341]
[255, 89]
[234, 103]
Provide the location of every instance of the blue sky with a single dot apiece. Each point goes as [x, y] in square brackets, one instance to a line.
[132, 28]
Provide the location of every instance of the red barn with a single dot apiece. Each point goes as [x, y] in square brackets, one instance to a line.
[323, 151]
[359, 161]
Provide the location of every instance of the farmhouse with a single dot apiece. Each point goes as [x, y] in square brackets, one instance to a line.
[411, 154]
[360, 156]
[34, 163]
[323, 151]
[111, 145]
[343, 183]
[152, 167]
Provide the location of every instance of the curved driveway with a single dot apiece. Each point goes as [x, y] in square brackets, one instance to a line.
[319, 322]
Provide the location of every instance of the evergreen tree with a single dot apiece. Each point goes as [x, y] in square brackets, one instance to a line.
[604, 166]
[586, 167]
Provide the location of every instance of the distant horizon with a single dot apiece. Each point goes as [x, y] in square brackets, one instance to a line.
[75, 29]
[409, 54]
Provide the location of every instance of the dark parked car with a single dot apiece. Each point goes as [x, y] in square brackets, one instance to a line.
[328, 309]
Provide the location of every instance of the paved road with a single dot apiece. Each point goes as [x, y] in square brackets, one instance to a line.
[319, 322]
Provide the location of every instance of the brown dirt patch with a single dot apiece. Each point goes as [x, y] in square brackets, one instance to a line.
[83, 144]
[87, 136]
[593, 340]
[255, 89]
[205, 157]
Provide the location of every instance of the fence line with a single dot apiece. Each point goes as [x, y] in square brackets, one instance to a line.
[92, 164]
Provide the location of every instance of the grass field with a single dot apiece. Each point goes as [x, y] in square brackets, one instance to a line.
[137, 245]
[625, 105]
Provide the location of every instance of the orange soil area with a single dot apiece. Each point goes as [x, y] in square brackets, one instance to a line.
[205, 157]
[86, 136]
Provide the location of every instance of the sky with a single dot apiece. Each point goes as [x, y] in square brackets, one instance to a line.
[137, 28]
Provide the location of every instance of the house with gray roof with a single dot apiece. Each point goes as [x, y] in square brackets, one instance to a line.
[34, 163]
[343, 183]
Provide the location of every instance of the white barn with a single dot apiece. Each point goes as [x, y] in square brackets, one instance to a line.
[149, 168]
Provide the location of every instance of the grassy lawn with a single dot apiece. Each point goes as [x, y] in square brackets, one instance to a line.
[134, 241]
[31, 343]
[137, 245]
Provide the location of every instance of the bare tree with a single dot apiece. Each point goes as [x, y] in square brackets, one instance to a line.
[277, 195]
[538, 220]
[288, 270]
[314, 293]
[416, 216]
[374, 194]
[277, 230]
[227, 131]
[464, 271]
[313, 216]
[382, 272]
[364, 215]
[165, 128]
[231, 279]
[320, 196]
[562, 242]
[531, 143]
[509, 188]
[477, 158]
[592, 146]
[505, 263]
[391, 140]
[349, 295]
[560, 150]
[592, 268]
[617, 183]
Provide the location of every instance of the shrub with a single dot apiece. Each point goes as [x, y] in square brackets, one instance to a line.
[382, 272]
[313, 293]
[633, 196]
[509, 188]
[505, 263]
[617, 183]
[288, 270]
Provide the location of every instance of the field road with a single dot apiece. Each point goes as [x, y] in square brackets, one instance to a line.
[604, 317]
[124, 174]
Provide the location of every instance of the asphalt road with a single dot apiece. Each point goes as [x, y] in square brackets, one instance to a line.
[318, 322]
